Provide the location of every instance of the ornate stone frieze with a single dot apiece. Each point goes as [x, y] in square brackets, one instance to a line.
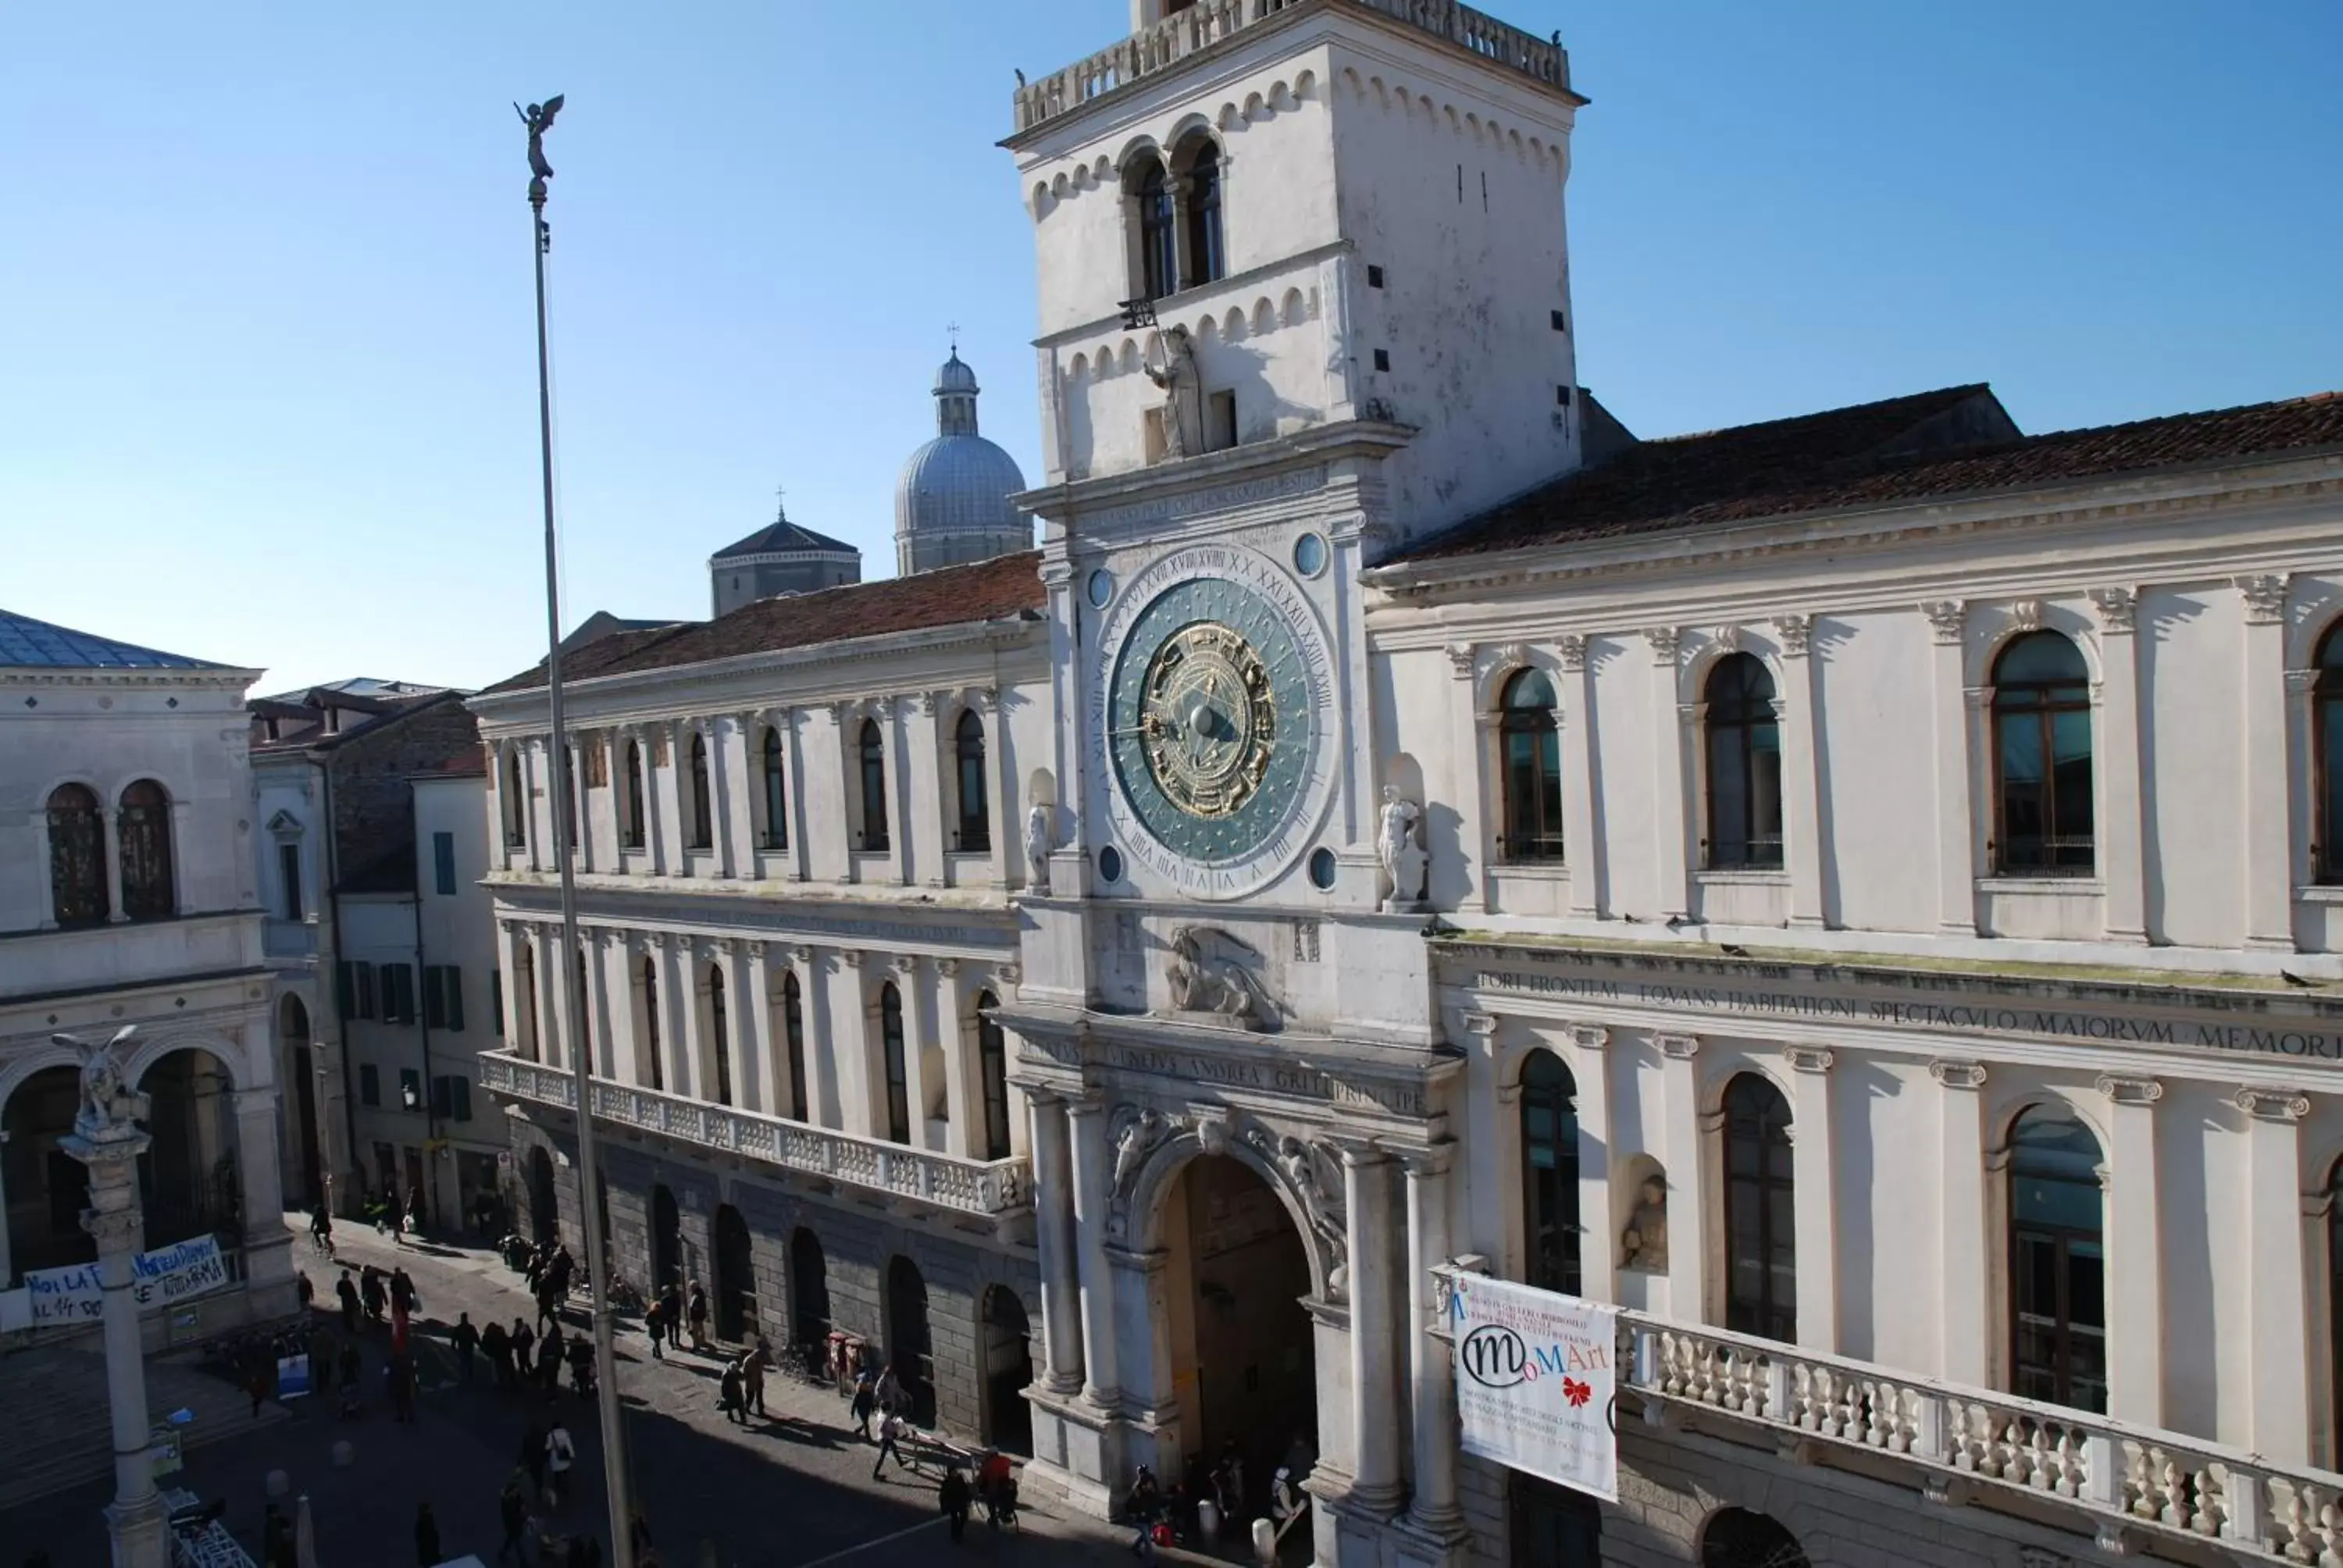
[1727, 639]
[1214, 973]
[1460, 660]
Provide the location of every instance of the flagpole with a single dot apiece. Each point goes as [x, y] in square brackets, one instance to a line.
[538, 118]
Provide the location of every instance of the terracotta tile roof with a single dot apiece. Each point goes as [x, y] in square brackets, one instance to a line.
[1875, 454]
[995, 589]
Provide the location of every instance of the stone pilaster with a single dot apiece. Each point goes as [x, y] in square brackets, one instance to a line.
[1092, 1191]
[1815, 1195]
[1053, 1237]
[1961, 1298]
[2277, 1275]
[1431, 1372]
[2135, 1253]
[1376, 1421]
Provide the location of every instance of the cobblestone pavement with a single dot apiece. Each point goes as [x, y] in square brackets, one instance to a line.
[793, 1490]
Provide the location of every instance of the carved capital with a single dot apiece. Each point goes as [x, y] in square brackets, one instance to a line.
[1796, 632]
[1460, 660]
[1677, 1047]
[851, 958]
[1481, 1026]
[948, 967]
[1589, 1036]
[115, 1230]
[1977, 698]
[800, 955]
[1947, 617]
[1433, 1162]
[1008, 974]
[1809, 1057]
[2286, 1105]
[1667, 642]
[928, 702]
[2117, 607]
[1957, 1074]
[1572, 649]
[2264, 596]
[2130, 1091]
[2301, 682]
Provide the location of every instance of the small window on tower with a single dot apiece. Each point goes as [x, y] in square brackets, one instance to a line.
[1382, 359]
[1559, 324]
[1374, 277]
[1221, 416]
[1562, 396]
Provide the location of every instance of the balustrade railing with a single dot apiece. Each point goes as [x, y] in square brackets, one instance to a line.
[1209, 22]
[2128, 1477]
[993, 1187]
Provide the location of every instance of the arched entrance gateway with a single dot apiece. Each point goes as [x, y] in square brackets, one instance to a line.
[736, 1278]
[1242, 1345]
[667, 1241]
[544, 1213]
[1008, 1368]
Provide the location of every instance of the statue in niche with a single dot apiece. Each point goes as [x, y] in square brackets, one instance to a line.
[1399, 846]
[1183, 406]
[109, 1107]
[1038, 836]
[1302, 1165]
[1644, 1244]
[1138, 1136]
[1210, 972]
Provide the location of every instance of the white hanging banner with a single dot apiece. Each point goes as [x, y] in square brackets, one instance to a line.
[1534, 1385]
[75, 1294]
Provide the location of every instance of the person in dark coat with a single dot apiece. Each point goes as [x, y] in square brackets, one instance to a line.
[752, 1374]
[866, 1400]
[499, 1349]
[696, 1311]
[728, 1395]
[347, 1289]
[523, 1339]
[655, 1326]
[512, 1504]
[466, 1339]
[952, 1497]
[549, 1359]
[371, 1292]
[581, 1365]
[402, 1292]
[427, 1538]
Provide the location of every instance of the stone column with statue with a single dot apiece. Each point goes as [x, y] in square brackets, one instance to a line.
[107, 1139]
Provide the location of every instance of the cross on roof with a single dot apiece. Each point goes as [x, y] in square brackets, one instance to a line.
[953, 329]
[780, 511]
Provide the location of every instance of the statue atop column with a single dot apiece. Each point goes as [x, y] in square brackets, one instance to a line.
[110, 1110]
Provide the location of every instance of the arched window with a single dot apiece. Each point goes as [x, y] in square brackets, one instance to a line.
[1550, 1172]
[77, 895]
[569, 804]
[703, 816]
[793, 1039]
[516, 803]
[2042, 758]
[874, 785]
[631, 782]
[1761, 1276]
[2057, 1260]
[651, 1051]
[1159, 257]
[1744, 764]
[992, 1068]
[720, 1038]
[1201, 212]
[774, 775]
[1736, 1538]
[524, 999]
[1532, 782]
[143, 833]
[890, 1040]
[975, 829]
[2326, 728]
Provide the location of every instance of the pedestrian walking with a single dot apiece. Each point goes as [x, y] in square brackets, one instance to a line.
[499, 1349]
[890, 1428]
[581, 1365]
[952, 1497]
[308, 1292]
[752, 1373]
[523, 1339]
[427, 1538]
[549, 1359]
[257, 1380]
[728, 1395]
[347, 1289]
[890, 1393]
[1145, 1502]
[561, 1454]
[512, 1504]
[466, 1339]
[697, 1311]
[370, 1291]
[655, 1326]
[866, 1400]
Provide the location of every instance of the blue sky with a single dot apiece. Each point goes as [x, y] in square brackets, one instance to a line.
[265, 362]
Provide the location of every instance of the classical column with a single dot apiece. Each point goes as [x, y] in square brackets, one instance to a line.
[1430, 1372]
[110, 1150]
[1961, 1295]
[1798, 712]
[268, 1245]
[866, 1032]
[765, 1066]
[1375, 1409]
[1687, 1188]
[1598, 1233]
[675, 808]
[510, 948]
[1669, 819]
[1813, 1145]
[1053, 1239]
[1581, 847]
[1956, 836]
[1468, 781]
[594, 952]
[2122, 863]
[2277, 1276]
[610, 747]
[699, 1052]
[2135, 1279]
[963, 1101]
[2267, 754]
[1093, 1191]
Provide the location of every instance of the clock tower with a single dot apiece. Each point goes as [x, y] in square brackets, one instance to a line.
[1304, 298]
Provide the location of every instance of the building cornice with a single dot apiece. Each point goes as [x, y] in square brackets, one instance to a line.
[209, 679]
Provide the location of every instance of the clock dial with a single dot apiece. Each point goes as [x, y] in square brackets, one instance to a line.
[1210, 721]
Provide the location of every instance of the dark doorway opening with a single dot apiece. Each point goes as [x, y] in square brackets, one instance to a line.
[809, 1291]
[187, 1178]
[667, 1241]
[544, 1210]
[1239, 1332]
[1736, 1538]
[1554, 1527]
[303, 1093]
[736, 1278]
[909, 1349]
[48, 1188]
[1008, 1370]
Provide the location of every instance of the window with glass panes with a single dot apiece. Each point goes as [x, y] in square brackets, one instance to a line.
[1550, 1172]
[1761, 1258]
[2042, 759]
[2057, 1265]
[1531, 743]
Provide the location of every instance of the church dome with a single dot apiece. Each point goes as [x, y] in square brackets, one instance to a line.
[952, 503]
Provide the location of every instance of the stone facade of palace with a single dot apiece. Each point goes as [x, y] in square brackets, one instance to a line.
[1858, 893]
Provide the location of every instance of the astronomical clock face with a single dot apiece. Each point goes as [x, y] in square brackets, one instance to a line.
[1216, 702]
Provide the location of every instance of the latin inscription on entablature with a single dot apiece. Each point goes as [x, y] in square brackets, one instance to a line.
[1301, 1081]
[2268, 1036]
[1203, 503]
